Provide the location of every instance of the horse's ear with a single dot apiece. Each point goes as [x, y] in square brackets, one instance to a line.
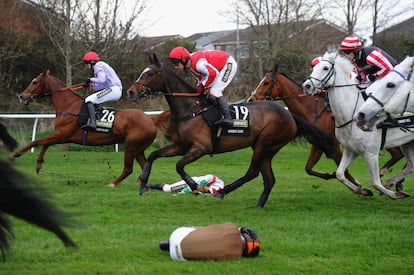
[151, 58]
[154, 60]
[275, 69]
[45, 72]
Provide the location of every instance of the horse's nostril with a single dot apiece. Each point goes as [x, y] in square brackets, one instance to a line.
[360, 116]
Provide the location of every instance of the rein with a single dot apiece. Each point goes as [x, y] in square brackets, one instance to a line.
[72, 87]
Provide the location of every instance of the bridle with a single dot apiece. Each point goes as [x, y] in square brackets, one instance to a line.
[268, 93]
[380, 103]
[147, 91]
[41, 81]
[324, 81]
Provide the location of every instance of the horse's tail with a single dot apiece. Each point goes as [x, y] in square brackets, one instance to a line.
[20, 199]
[162, 122]
[316, 137]
[7, 139]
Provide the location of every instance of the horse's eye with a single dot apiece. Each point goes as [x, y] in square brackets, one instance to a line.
[34, 82]
[326, 68]
[390, 85]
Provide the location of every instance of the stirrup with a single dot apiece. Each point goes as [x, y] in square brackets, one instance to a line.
[224, 122]
[88, 127]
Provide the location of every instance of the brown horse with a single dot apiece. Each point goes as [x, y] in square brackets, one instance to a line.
[132, 127]
[20, 198]
[271, 128]
[7, 139]
[278, 86]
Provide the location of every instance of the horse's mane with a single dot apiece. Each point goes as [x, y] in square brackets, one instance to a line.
[406, 66]
[291, 79]
[170, 71]
[343, 63]
[57, 79]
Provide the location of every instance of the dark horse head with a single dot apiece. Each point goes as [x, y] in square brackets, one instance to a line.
[149, 82]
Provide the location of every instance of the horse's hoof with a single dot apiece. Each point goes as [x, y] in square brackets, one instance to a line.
[365, 192]
[402, 195]
[111, 185]
[399, 187]
[10, 158]
[144, 189]
[218, 195]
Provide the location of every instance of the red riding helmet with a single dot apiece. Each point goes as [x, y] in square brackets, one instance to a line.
[91, 56]
[180, 53]
[315, 61]
[251, 246]
[350, 43]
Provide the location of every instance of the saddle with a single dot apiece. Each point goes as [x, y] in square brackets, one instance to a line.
[239, 113]
[404, 121]
[105, 118]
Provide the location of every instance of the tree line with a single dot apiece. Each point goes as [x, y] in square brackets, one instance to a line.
[72, 27]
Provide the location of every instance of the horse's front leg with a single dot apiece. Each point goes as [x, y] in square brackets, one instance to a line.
[41, 158]
[372, 162]
[191, 155]
[348, 158]
[168, 151]
[51, 139]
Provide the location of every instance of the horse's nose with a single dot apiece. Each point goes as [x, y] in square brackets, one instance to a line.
[19, 98]
[308, 88]
[130, 94]
[360, 116]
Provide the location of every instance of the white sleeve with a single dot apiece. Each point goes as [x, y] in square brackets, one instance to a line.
[175, 242]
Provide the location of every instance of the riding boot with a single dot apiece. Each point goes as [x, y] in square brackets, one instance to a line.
[225, 112]
[92, 121]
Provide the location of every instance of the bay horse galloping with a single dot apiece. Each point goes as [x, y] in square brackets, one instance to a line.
[7, 139]
[20, 198]
[278, 86]
[132, 127]
[270, 127]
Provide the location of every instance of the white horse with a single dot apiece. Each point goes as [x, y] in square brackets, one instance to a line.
[403, 99]
[389, 94]
[334, 73]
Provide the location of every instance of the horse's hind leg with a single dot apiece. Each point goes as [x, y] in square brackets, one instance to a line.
[129, 154]
[396, 155]
[252, 173]
[268, 182]
[314, 157]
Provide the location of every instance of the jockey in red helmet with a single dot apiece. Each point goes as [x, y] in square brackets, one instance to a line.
[371, 62]
[315, 61]
[106, 85]
[214, 71]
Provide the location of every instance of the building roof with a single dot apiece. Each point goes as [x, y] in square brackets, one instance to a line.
[204, 39]
[404, 28]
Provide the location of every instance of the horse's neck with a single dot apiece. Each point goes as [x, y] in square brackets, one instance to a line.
[304, 106]
[344, 101]
[180, 105]
[63, 98]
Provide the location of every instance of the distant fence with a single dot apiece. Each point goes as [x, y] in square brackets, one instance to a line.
[40, 116]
